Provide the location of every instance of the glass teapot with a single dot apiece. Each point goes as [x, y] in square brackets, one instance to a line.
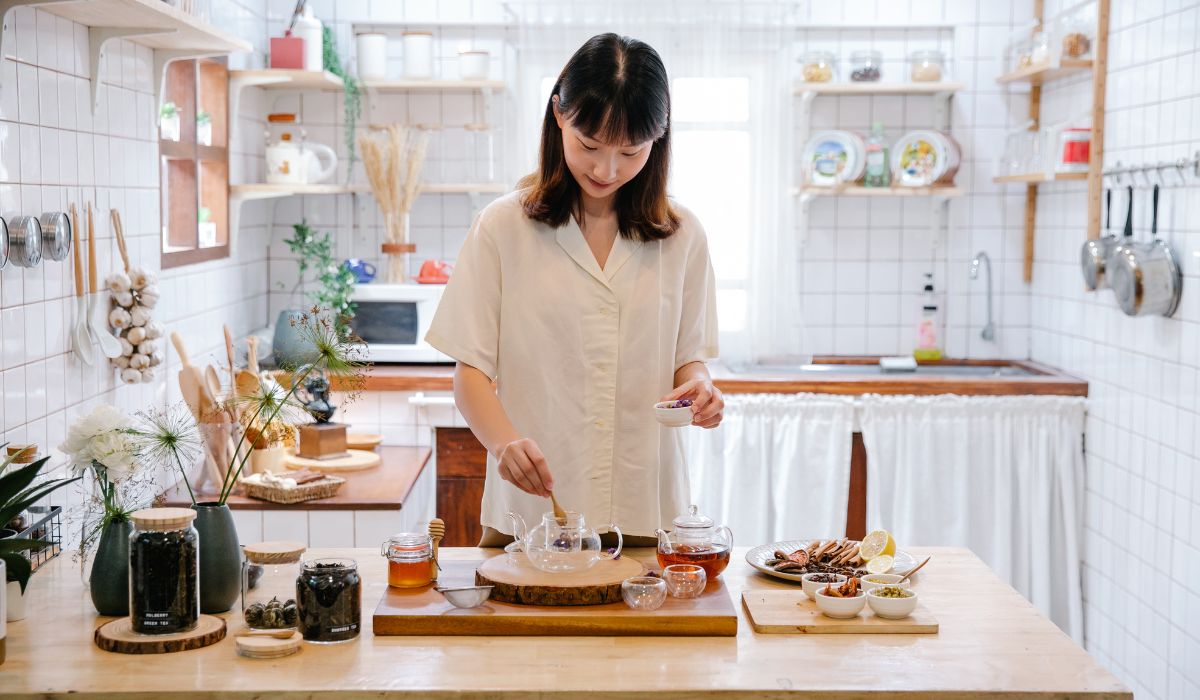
[696, 540]
[560, 547]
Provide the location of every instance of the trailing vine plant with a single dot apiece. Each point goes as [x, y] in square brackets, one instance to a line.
[351, 100]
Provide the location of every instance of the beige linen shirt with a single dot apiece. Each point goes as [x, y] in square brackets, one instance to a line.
[580, 355]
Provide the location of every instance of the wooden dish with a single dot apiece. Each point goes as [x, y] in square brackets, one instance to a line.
[363, 441]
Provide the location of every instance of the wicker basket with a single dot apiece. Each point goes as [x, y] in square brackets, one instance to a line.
[313, 490]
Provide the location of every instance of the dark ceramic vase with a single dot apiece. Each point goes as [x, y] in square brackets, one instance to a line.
[109, 580]
[220, 558]
[289, 345]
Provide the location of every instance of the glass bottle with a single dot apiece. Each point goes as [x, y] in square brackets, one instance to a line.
[878, 172]
[164, 567]
[927, 347]
[269, 584]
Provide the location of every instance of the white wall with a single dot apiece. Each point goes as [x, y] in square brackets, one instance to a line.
[1142, 561]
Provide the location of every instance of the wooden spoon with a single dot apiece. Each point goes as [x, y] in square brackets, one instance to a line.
[247, 382]
[559, 514]
[109, 345]
[81, 341]
[913, 570]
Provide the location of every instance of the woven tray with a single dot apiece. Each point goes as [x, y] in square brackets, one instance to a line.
[305, 492]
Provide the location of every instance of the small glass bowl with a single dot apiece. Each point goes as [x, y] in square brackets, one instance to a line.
[685, 580]
[644, 592]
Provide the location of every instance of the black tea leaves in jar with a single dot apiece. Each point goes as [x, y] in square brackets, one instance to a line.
[164, 571]
[329, 600]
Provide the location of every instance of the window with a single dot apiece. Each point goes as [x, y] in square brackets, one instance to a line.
[194, 162]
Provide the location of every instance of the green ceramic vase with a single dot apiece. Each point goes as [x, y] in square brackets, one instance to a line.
[109, 580]
[220, 558]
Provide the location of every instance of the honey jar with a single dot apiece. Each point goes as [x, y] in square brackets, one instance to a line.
[410, 559]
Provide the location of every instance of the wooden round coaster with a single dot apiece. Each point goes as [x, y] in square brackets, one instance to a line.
[517, 581]
[356, 460]
[268, 647]
[118, 636]
[363, 441]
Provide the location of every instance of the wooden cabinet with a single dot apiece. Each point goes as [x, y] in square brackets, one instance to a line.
[461, 466]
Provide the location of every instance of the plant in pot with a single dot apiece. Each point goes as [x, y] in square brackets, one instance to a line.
[330, 287]
[118, 454]
[17, 493]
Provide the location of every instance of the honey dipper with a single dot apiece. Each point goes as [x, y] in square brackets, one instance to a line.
[437, 530]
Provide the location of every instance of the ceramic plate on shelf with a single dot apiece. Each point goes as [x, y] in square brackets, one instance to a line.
[924, 158]
[833, 157]
[760, 555]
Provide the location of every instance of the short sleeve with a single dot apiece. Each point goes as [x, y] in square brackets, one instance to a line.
[466, 325]
[698, 336]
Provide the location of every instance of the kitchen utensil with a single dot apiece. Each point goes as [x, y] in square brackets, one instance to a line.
[1145, 275]
[437, 532]
[758, 556]
[56, 235]
[355, 460]
[907, 574]
[213, 381]
[695, 539]
[80, 341]
[1095, 252]
[292, 160]
[561, 548]
[3, 243]
[192, 384]
[644, 592]
[363, 271]
[434, 272]
[685, 580]
[109, 345]
[467, 596]
[925, 158]
[247, 381]
[559, 514]
[418, 54]
[833, 157]
[892, 608]
[840, 608]
[811, 586]
[25, 241]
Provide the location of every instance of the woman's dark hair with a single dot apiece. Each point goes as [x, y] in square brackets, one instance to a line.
[614, 89]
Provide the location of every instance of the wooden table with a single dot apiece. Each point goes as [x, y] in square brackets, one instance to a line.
[991, 642]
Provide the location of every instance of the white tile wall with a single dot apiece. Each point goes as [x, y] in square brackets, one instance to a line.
[1143, 495]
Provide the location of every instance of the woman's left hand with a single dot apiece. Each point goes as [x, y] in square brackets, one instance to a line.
[708, 404]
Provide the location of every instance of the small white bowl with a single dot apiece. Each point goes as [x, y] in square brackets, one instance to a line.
[467, 596]
[892, 608]
[872, 581]
[841, 608]
[811, 587]
[673, 417]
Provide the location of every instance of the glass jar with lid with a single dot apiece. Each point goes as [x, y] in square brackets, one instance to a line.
[269, 584]
[1077, 33]
[866, 66]
[1039, 51]
[818, 66]
[164, 571]
[329, 600]
[410, 559]
[926, 66]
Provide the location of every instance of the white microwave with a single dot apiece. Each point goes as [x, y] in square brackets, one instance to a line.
[392, 319]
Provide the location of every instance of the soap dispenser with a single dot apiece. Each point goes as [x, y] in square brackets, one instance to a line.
[928, 347]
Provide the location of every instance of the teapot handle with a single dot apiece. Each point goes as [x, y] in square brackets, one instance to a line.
[620, 543]
[518, 543]
[321, 151]
[728, 535]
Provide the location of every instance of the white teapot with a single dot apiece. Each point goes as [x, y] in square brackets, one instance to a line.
[291, 163]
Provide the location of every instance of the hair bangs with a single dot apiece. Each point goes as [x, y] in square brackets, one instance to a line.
[619, 118]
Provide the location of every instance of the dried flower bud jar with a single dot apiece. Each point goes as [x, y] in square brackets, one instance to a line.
[269, 584]
[164, 568]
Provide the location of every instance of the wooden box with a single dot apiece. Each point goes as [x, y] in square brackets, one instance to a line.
[322, 441]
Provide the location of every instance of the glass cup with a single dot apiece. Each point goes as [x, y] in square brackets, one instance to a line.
[644, 592]
[685, 580]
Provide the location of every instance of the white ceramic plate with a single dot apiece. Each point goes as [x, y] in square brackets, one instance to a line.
[760, 555]
[833, 157]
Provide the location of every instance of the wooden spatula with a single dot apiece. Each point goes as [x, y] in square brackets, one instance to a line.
[191, 381]
[559, 514]
[247, 382]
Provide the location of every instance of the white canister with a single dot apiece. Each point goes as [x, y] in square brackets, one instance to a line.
[473, 65]
[372, 55]
[418, 55]
[308, 28]
[15, 603]
[3, 611]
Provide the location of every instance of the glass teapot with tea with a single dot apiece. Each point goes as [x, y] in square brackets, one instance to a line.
[560, 546]
[696, 540]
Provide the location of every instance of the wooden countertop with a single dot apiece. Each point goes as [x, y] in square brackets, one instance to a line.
[992, 643]
[385, 487]
[1044, 380]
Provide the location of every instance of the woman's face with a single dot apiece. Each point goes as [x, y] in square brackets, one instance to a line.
[600, 168]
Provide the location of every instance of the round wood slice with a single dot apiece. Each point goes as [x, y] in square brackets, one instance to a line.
[517, 581]
[363, 441]
[119, 636]
[268, 647]
[356, 460]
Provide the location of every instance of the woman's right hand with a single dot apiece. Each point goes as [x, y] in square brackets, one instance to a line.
[522, 464]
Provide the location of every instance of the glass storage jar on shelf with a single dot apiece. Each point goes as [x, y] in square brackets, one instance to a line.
[866, 66]
[1039, 51]
[926, 66]
[818, 67]
[1077, 37]
[164, 571]
[269, 584]
[1074, 150]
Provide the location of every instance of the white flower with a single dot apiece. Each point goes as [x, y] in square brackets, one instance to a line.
[117, 452]
[103, 420]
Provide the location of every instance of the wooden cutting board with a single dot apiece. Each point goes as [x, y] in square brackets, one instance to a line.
[355, 460]
[424, 612]
[119, 636]
[791, 612]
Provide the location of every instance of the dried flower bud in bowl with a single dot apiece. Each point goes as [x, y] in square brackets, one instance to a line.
[674, 414]
[119, 318]
[117, 283]
[123, 299]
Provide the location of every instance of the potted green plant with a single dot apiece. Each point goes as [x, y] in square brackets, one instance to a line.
[168, 121]
[203, 128]
[330, 287]
[17, 493]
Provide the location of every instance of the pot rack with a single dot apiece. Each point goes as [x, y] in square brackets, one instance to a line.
[1153, 173]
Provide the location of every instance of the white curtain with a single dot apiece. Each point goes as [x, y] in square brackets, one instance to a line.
[1002, 476]
[777, 468]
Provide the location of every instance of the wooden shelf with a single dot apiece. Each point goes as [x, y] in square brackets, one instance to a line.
[269, 191]
[279, 79]
[1037, 75]
[860, 191]
[180, 31]
[432, 85]
[879, 88]
[1035, 178]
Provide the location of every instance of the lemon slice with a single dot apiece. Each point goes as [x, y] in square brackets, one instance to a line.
[877, 542]
[881, 564]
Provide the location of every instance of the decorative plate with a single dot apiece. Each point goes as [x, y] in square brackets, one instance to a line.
[833, 157]
[923, 158]
[760, 555]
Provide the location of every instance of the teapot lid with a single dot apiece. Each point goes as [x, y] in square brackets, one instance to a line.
[693, 519]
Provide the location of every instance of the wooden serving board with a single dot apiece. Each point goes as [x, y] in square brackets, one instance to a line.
[791, 612]
[119, 636]
[363, 441]
[424, 612]
[354, 461]
[517, 581]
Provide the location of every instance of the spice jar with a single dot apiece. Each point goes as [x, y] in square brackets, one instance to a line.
[269, 584]
[164, 565]
[1039, 51]
[410, 559]
[866, 66]
[1076, 42]
[818, 66]
[1074, 146]
[329, 600]
[926, 66]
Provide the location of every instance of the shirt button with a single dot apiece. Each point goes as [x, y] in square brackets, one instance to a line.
[599, 424]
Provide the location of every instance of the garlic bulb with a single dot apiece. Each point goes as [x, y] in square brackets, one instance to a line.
[117, 283]
[121, 362]
[146, 348]
[156, 358]
[131, 376]
[147, 374]
[123, 299]
[148, 299]
[120, 318]
[154, 329]
[136, 335]
[126, 346]
[139, 361]
[139, 278]
[139, 315]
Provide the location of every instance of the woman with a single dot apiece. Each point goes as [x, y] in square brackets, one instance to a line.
[586, 296]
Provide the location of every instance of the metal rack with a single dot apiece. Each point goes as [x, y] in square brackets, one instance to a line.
[1152, 173]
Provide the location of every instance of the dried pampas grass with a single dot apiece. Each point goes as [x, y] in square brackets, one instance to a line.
[393, 164]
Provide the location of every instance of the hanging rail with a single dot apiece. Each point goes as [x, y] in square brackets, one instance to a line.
[1152, 173]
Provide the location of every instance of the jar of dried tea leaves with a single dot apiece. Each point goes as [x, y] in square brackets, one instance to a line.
[329, 600]
[269, 584]
[164, 568]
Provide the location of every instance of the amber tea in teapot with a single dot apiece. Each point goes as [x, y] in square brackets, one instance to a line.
[695, 540]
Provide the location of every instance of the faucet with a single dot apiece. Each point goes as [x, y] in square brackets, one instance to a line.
[989, 330]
